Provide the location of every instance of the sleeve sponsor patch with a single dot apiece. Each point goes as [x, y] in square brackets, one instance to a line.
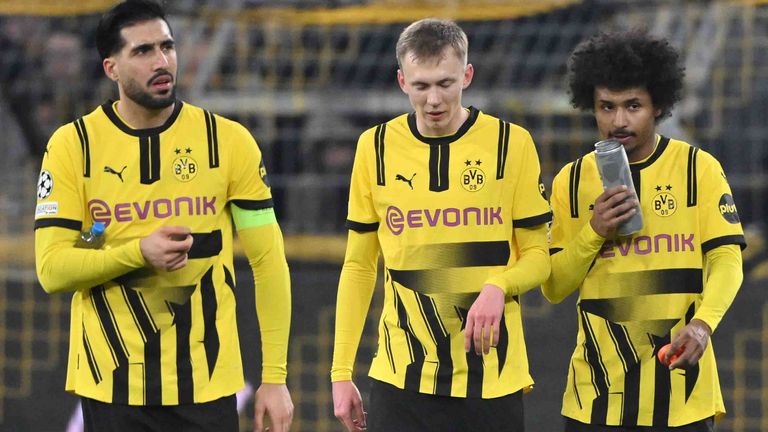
[728, 209]
[47, 209]
[44, 185]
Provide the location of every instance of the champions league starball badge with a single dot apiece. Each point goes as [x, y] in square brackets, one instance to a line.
[44, 185]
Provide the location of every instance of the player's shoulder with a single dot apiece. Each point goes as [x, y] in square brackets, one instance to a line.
[223, 124]
[686, 150]
[380, 130]
[513, 129]
[70, 135]
[575, 167]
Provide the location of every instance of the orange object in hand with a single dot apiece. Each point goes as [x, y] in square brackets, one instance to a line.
[663, 352]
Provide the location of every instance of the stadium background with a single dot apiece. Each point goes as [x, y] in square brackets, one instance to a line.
[307, 76]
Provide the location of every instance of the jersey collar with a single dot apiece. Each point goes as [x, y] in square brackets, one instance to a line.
[660, 147]
[117, 121]
[473, 113]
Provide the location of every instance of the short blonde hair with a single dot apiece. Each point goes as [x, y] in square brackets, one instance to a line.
[428, 38]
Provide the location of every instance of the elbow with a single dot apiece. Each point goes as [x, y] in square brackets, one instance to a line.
[47, 278]
[550, 293]
[46, 281]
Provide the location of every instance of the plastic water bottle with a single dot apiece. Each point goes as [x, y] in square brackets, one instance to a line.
[93, 238]
[613, 165]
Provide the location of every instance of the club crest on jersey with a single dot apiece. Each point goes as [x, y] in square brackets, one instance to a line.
[44, 185]
[728, 209]
[473, 178]
[664, 203]
[184, 167]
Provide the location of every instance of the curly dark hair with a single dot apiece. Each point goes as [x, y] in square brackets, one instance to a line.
[621, 60]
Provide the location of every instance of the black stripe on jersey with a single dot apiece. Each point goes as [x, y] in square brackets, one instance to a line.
[599, 374]
[228, 279]
[439, 158]
[182, 320]
[361, 227]
[637, 183]
[151, 337]
[501, 153]
[378, 143]
[210, 332]
[254, 204]
[724, 240]
[116, 344]
[442, 340]
[115, 119]
[205, 245]
[692, 191]
[213, 139]
[532, 221]
[475, 367]
[388, 347]
[82, 133]
[149, 158]
[413, 370]
[631, 364]
[691, 372]
[573, 187]
[138, 313]
[95, 372]
[59, 222]
[465, 254]
[501, 346]
[575, 387]
[553, 251]
[662, 386]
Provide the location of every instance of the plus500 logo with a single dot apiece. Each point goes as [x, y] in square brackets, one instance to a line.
[398, 220]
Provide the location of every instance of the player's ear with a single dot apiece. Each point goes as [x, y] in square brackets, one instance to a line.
[469, 72]
[401, 80]
[110, 68]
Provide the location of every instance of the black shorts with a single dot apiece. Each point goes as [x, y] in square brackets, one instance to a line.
[705, 425]
[394, 410]
[215, 416]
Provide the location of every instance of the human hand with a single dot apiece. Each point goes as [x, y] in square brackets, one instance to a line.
[612, 208]
[348, 406]
[688, 344]
[483, 320]
[274, 400]
[166, 248]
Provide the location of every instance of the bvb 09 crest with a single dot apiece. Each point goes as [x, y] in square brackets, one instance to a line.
[184, 168]
[473, 178]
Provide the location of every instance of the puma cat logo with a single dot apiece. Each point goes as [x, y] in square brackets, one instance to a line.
[403, 179]
[112, 171]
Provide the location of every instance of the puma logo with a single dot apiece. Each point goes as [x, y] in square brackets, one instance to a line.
[112, 171]
[403, 179]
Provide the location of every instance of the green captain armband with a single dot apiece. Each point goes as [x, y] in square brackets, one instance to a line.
[252, 218]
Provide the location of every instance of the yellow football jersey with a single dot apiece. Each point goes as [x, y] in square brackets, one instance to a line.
[444, 209]
[153, 337]
[642, 289]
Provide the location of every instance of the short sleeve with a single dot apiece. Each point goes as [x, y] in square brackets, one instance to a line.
[530, 207]
[362, 215]
[719, 218]
[60, 199]
[248, 182]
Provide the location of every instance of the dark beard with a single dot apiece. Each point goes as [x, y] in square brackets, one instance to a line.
[146, 100]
